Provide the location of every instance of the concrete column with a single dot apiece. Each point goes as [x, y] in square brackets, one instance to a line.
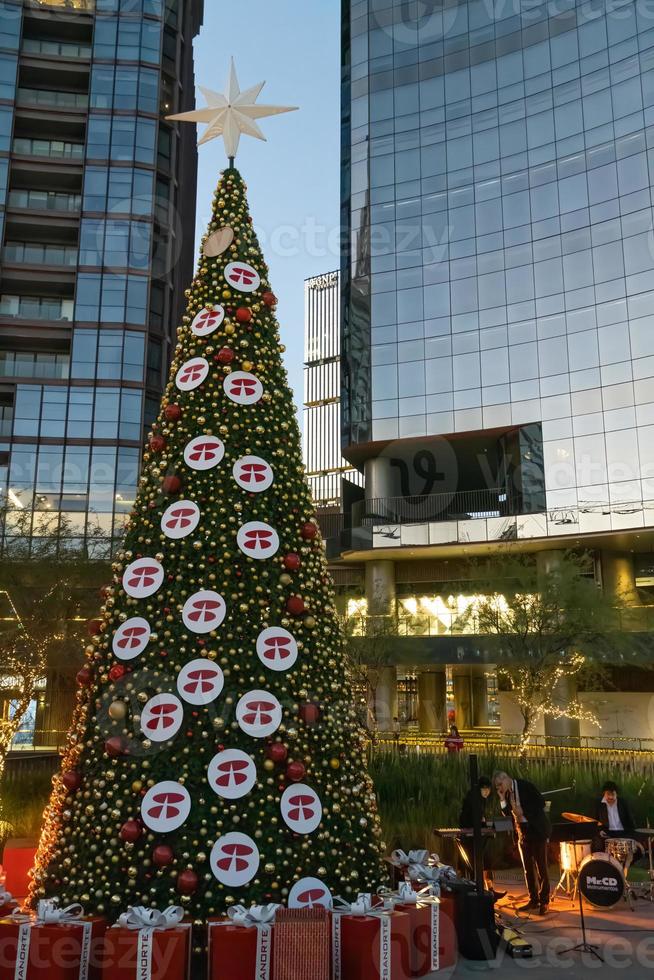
[564, 692]
[431, 701]
[462, 701]
[618, 578]
[479, 701]
[547, 561]
[386, 698]
[378, 478]
[380, 587]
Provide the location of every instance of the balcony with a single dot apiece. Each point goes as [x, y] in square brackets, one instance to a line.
[45, 200]
[31, 97]
[29, 364]
[458, 506]
[33, 253]
[54, 149]
[36, 307]
[67, 6]
[55, 49]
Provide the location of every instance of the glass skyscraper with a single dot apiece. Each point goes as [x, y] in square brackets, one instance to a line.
[97, 196]
[498, 288]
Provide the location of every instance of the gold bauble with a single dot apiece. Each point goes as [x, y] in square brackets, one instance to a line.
[117, 710]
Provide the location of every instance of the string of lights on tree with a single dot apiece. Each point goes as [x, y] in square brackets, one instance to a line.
[215, 755]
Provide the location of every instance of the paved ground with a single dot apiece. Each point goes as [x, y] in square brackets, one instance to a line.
[624, 936]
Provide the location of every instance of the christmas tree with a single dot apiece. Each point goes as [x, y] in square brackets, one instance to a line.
[214, 755]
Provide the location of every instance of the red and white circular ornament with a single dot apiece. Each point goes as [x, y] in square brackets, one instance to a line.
[257, 540]
[301, 808]
[253, 473]
[259, 714]
[143, 577]
[310, 893]
[192, 374]
[162, 717]
[180, 519]
[207, 321]
[232, 774]
[204, 611]
[131, 638]
[200, 682]
[242, 276]
[165, 807]
[204, 452]
[234, 860]
[277, 648]
[243, 388]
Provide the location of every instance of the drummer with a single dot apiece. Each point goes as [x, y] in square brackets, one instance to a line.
[613, 814]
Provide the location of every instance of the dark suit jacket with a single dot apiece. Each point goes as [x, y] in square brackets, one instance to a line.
[466, 817]
[602, 814]
[533, 807]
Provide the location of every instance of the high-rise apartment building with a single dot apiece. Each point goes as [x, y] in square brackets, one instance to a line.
[97, 197]
[326, 469]
[498, 341]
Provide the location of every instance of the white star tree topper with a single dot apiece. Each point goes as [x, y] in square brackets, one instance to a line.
[232, 113]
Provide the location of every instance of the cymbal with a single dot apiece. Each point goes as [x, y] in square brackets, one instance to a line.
[578, 818]
[648, 831]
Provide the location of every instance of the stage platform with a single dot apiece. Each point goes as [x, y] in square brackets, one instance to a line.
[624, 937]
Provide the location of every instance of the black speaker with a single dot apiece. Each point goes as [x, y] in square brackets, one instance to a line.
[476, 932]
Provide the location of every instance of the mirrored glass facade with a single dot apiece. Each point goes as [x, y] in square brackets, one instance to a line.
[91, 267]
[497, 202]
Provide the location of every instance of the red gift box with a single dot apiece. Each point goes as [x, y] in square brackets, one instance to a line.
[240, 952]
[52, 951]
[425, 935]
[371, 947]
[147, 954]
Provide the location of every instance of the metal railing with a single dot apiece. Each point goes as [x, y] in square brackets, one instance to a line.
[45, 200]
[612, 748]
[457, 505]
[52, 98]
[59, 49]
[36, 307]
[40, 254]
[56, 149]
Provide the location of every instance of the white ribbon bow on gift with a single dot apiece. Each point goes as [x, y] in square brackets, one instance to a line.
[5, 897]
[408, 896]
[138, 917]
[257, 915]
[48, 913]
[403, 860]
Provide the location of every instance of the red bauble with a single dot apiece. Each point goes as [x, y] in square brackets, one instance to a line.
[292, 561]
[116, 672]
[157, 443]
[308, 531]
[269, 299]
[84, 676]
[71, 779]
[173, 413]
[243, 314]
[309, 713]
[93, 627]
[296, 771]
[277, 752]
[171, 484]
[187, 882]
[225, 355]
[115, 746]
[163, 855]
[130, 831]
[295, 605]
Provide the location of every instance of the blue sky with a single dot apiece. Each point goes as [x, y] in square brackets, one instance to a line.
[293, 179]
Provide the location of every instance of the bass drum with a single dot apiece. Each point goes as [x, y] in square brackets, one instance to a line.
[601, 880]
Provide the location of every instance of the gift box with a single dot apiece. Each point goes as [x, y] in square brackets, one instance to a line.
[241, 944]
[447, 941]
[424, 918]
[371, 947]
[31, 949]
[17, 862]
[148, 945]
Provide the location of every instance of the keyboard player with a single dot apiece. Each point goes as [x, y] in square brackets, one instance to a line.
[466, 820]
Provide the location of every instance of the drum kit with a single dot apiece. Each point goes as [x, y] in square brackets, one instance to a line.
[601, 876]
